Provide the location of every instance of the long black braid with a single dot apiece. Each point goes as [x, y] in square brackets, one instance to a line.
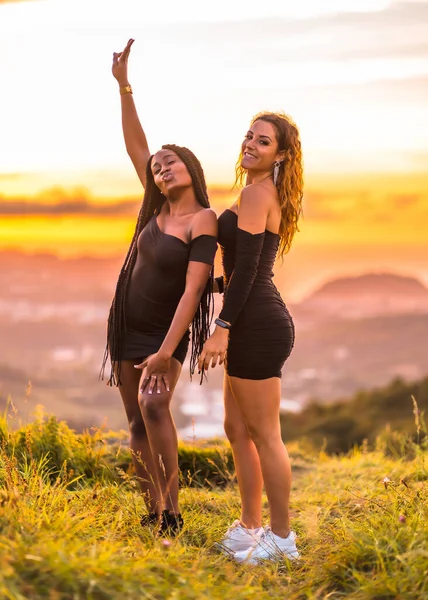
[151, 205]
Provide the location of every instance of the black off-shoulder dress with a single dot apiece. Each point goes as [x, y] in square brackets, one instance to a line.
[155, 288]
[262, 333]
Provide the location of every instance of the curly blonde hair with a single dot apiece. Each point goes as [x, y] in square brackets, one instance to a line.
[290, 177]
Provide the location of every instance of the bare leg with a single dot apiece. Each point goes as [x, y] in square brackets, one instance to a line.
[246, 458]
[139, 441]
[259, 402]
[162, 435]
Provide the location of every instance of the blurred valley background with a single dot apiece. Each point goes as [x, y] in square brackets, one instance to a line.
[354, 332]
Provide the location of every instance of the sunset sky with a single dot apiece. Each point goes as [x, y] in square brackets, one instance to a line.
[352, 73]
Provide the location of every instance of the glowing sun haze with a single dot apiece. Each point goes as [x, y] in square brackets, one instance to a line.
[353, 75]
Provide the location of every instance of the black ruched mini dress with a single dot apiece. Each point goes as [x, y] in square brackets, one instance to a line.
[262, 333]
[156, 286]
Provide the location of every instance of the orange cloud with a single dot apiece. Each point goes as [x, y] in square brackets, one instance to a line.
[364, 211]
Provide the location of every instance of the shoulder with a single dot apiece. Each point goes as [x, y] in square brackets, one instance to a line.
[258, 197]
[255, 204]
[204, 222]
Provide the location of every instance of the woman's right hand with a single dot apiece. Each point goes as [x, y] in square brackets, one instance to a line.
[120, 64]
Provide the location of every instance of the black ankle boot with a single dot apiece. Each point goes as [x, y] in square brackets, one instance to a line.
[149, 519]
[170, 524]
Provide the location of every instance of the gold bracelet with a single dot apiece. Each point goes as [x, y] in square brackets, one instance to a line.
[125, 90]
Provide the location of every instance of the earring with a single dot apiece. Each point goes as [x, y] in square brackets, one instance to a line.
[276, 166]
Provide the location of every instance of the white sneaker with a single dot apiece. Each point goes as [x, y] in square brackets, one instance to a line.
[238, 538]
[269, 547]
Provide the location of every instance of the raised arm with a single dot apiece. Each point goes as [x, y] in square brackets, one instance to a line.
[135, 138]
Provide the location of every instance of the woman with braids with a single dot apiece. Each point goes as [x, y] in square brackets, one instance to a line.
[254, 333]
[163, 287]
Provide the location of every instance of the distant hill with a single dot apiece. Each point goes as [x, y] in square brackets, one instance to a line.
[340, 425]
[367, 295]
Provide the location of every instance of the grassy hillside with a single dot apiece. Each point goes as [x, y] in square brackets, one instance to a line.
[69, 523]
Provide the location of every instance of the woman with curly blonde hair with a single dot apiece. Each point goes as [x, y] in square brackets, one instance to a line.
[254, 333]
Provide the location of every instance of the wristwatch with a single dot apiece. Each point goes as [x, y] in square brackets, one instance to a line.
[222, 323]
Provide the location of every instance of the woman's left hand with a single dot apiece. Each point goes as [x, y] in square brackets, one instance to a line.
[157, 367]
[214, 349]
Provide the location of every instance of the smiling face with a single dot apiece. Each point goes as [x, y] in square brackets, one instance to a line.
[260, 147]
[169, 172]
